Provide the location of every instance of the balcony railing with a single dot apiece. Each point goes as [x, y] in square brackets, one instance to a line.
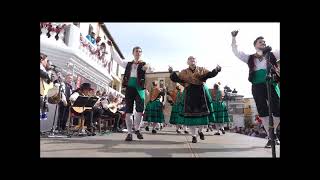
[70, 35]
[52, 31]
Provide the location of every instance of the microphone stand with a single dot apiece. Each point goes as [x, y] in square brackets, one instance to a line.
[271, 124]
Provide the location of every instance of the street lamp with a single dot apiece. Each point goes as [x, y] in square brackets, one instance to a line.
[234, 91]
[227, 90]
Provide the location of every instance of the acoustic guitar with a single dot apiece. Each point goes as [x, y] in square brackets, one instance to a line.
[80, 109]
[44, 87]
[113, 107]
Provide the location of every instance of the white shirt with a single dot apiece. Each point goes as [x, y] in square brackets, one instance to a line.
[42, 67]
[105, 103]
[245, 57]
[124, 64]
[74, 97]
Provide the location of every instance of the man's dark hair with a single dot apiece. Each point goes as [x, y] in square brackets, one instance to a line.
[103, 93]
[137, 47]
[154, 83]
[255, 41]
[42, 56]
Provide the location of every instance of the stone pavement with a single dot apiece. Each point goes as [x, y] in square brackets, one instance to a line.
[166, 143]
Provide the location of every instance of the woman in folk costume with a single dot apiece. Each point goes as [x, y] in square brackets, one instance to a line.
[176, 97]
[154, 109]
[196, 110]
[220, 109]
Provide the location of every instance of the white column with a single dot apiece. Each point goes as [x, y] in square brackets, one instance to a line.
[72, 36]
[61, 36]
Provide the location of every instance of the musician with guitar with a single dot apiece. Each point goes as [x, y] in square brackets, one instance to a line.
[108, 106]
[258, 77]
[84, 90]
[45, 83]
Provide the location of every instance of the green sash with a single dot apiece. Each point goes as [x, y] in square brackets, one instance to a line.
[133, 83]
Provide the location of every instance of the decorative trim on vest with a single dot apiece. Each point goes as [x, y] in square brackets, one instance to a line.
[251, 64]
[140, 75]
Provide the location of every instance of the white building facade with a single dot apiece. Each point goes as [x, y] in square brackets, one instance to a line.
[67, 47]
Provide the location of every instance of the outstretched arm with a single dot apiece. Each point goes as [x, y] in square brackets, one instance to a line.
[115, 57]
[174, 77]
[241, 55]
[211, 74]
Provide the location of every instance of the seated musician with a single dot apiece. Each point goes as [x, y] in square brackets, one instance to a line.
[84, 90]
[107, 106]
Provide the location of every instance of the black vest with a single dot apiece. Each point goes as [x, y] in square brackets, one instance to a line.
[251, 65]
[140, 75]
[68, 90]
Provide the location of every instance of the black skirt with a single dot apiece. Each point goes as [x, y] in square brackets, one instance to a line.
[195, 101]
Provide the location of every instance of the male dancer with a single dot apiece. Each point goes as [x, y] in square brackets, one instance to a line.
[257, 76]
[134, 83]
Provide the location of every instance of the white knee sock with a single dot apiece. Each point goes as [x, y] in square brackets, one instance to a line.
[200, 128]
[137, 120]
[154, 125]
[265, 122]
[185, 128]
[193, 131]
[129, 122]
[177, 127]
[276, 122]
[218, 127]
[221, 126]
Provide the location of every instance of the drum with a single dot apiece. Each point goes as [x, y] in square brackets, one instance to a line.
[53, 95]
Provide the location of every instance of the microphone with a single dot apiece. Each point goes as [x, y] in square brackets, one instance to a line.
[266, 50]
[54, 68]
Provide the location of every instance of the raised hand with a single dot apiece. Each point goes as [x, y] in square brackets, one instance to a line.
[218, 68]
[234, 33]
[170, 69]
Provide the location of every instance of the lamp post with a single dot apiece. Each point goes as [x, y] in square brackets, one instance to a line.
[234, 91]
[227, 90]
